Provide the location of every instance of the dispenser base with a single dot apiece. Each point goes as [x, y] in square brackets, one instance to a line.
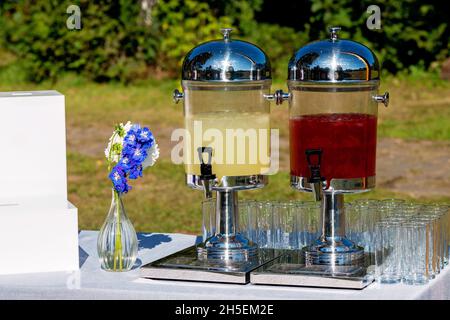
[334, 251]
[185, 265]
[290, 270]
[236, 248]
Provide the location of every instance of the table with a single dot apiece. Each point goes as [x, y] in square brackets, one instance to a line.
[93, 283]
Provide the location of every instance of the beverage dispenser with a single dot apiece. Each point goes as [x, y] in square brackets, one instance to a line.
[333, 134]
[226, 97]
[333, 103]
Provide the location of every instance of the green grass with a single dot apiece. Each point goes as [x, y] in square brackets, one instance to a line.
[160, 201]
[419, 108]
[428, 126]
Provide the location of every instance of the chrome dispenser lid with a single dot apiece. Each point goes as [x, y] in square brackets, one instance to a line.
[334, 60]
[226, 60]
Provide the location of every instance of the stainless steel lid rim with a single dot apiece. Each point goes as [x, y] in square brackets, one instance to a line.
[333, 83]
[333, 89]
[228, 183]
[328, 86]
[226, 86]
[352, 185]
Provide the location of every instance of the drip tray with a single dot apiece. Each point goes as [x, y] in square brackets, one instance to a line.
[290, 270]
[184, 265]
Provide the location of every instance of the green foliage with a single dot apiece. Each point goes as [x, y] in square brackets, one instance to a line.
[116, 42]
[279, 43]
[412, 32]
[113, 43]
[182, 25]
[187, 23]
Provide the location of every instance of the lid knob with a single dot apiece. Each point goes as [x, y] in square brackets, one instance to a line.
[334, 33]
[226, 33]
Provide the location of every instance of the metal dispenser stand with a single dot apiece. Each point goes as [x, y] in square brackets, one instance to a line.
[331, 261]
[227, 256]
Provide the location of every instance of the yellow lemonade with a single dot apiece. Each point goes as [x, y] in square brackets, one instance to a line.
[240, 142]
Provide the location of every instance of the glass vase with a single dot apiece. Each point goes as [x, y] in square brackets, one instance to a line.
[117, 243]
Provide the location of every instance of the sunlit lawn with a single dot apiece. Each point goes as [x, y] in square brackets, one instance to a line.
[160, 201]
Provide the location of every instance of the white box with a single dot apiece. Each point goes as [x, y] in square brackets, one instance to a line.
[38, 226]
[38, 241]
[33, 149]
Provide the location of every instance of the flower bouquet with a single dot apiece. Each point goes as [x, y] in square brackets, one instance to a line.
[130, 150]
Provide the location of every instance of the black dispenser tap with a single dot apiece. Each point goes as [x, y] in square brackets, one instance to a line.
[315, 179]
[206, 176]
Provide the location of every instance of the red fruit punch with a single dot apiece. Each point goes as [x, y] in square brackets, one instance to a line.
[347, 140]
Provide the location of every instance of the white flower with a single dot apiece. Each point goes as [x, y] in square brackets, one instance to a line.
[127, 126]
[152, 155]
[117, 139]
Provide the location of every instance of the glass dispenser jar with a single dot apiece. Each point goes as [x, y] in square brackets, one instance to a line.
[234, 119]
[333, 86]
[226, 86]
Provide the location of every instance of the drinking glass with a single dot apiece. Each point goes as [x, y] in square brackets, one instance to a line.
[363, 214]
[442, 211]
[246, 225]
[414, 252]
[209, 218]
[284, 235]
[306, 216]
[433, 244]
[387, 254]
[264, 223]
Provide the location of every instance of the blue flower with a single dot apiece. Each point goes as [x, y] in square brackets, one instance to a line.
[135, 172]
[126, 163]
[119, 180]
[132, 135]
[130, 139]
[145, 138]
[128, 151]
[138, 154]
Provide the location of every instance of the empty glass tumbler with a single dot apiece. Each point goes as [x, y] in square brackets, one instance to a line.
[307, 222]
[247, 219]
[403, 241]
[387, 254]
[284, 228]
[209, 218]
[414, 253]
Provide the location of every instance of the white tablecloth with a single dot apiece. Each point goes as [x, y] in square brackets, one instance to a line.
[93, 283]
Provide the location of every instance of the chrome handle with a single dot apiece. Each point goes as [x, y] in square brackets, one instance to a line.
[382, 98]
[334, 33]
[279, 96]
[177, 96]
[226, 33]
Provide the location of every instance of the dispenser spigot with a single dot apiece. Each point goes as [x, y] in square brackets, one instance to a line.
[279, 96]
[315, 180]
[206, 176]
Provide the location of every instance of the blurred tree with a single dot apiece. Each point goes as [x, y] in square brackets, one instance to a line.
[182, 25]
[113, 43]
[185, 26]
[125, 39]
[413, 32]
